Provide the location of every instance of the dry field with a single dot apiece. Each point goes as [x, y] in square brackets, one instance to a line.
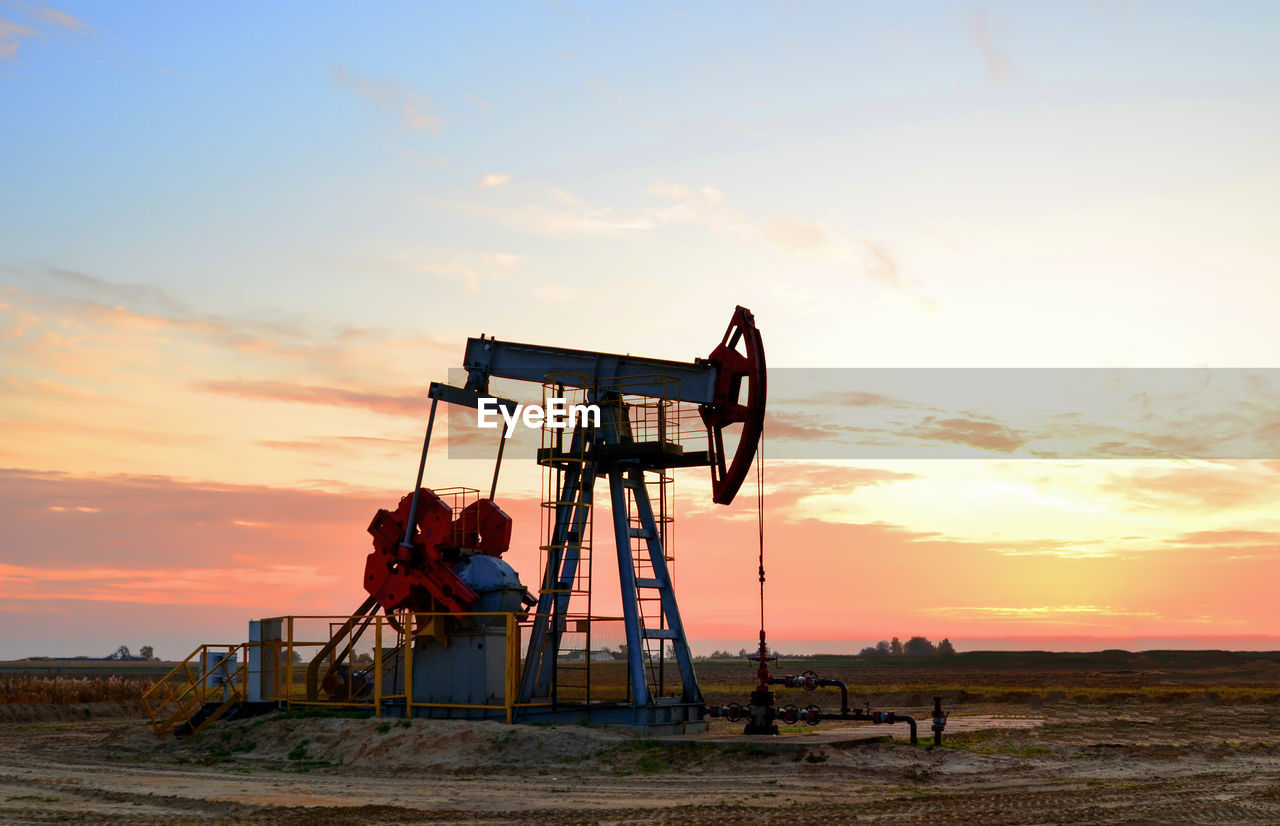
[1196, 744]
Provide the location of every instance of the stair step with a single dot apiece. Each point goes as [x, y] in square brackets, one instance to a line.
[645, 582]
[660, 634]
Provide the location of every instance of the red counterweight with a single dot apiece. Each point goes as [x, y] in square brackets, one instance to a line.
[400, 577]
[483, 526]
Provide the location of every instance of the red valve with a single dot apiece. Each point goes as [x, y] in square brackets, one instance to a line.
[735, 366]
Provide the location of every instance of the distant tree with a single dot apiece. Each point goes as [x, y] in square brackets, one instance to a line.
[742, 652]
[869, 651]
[122, 653]
[883, 648]
[146, 653]
[945, 648]
[919, 647]
[895, 647]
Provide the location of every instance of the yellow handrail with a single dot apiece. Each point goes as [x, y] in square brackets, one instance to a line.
[187, 691]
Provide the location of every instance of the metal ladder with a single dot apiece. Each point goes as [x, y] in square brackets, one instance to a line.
[566, 573]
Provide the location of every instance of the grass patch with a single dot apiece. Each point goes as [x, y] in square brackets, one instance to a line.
[650, 764]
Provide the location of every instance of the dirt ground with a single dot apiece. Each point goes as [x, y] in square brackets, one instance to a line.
[1129, 762]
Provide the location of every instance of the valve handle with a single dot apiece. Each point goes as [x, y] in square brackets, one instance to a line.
[814, 716]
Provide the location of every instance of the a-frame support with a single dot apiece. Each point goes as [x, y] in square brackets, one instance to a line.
[620, 481]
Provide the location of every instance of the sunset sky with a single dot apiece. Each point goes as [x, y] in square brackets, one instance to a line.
[238, 241]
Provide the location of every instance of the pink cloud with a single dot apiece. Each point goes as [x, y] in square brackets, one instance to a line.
[404, 404]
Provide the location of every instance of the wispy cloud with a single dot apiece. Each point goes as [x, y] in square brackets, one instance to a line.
[1038, 612]
[406, 404]
[342, 444]
[1230, 536]
[810, 240]
[156, 586]
[1055, 548]
[78, 321]
[790, 482]
[413, 109]
[11, 37]
[40, 17]
[996, 60]
[61, 19]
[610, 93]
[471, 267]
[85, 285]
[1221, 486]
[565, 215]
[493, 179]
[983, 433]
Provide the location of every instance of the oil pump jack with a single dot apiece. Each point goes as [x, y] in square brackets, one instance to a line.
[457, 610]
[433, 557]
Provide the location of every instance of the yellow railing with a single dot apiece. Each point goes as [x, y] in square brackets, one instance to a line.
[286, 688]
[207, 676]
[195, 682]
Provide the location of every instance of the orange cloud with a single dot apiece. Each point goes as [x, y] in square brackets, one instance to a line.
[982, 433]
[789, 482]
[1218, 487]
[1230, 537]
[408, 404]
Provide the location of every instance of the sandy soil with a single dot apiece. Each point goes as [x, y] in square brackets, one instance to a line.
[1061, 762]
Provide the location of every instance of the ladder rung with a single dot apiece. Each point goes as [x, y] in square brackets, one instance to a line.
[659, 634]
[648, 583]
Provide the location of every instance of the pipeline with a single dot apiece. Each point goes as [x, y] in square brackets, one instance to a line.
[762, 712]
[810, 681]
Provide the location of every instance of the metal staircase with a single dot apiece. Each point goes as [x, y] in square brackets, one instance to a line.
[201, 689]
